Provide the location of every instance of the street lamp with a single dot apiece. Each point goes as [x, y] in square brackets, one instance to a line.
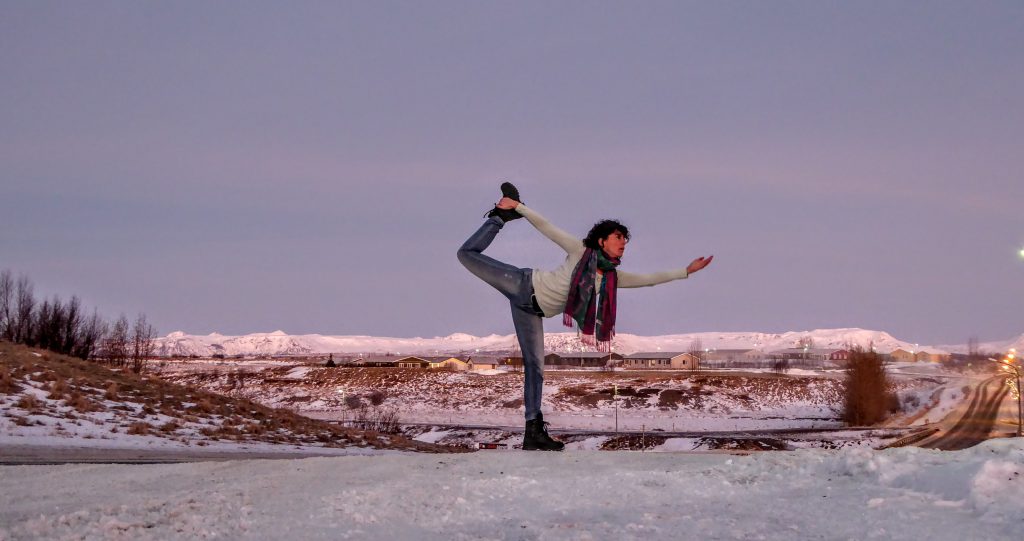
[1005, 363]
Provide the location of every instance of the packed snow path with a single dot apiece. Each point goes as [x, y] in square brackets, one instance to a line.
[977, 422]
[908, 493]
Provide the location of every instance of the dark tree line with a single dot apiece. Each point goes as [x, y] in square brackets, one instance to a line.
[64, 327]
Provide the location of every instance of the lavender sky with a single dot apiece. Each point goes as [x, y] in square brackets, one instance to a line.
[312, 167]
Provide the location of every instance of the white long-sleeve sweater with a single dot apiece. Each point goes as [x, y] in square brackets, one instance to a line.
[552, 287]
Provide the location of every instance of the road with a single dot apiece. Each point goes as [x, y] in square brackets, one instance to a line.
[977, 421]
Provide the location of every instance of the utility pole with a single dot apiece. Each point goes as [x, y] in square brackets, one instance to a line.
[615, 399]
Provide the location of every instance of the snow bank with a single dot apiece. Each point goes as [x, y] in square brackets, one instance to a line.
[852, 494]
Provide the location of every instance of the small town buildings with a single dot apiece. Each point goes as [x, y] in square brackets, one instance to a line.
[477, 364]
[583, 359]
[933, 356]
[661, 360]
[755, 355]
[839, 355]
[448, 363]
[390, 361]
[901, 355]
[927, 355]
[728, 355]
[813, 354]
[517, 361]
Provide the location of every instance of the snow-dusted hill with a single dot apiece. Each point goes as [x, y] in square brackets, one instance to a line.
[280, 343]
[989, 347]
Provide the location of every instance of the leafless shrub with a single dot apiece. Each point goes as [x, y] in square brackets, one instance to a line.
[116, 343]
[867, 396]
[58, 388]
[81, 403]
[377, 397]
[575, 390]
[141, 343]
[633, 442]
[354, 401]
[7, 383]
[139, 428]
[385, 421]
[780, 366]
[28, 402]
[169, 427]
[238, 379]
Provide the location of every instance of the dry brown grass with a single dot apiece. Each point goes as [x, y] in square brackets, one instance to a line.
[58, 388]
[139, 428]
[7, 383]
[633, 442]
[575, 390]
[670, 398]
[244, 420]
[29, 403]
[81, 403]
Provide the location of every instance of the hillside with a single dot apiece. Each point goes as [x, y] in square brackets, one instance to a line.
[45, 397]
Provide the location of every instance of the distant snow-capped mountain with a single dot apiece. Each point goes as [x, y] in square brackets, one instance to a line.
[990, 347]
[280, 343]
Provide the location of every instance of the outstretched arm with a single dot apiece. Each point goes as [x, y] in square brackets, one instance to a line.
[628, 279]
[567, 242]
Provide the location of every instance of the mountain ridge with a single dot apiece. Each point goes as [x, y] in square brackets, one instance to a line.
[278, 342]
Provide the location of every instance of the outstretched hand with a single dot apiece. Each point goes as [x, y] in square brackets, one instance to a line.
[698, 264]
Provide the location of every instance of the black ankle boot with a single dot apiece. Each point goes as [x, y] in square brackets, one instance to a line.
[536, 437]
[510, 191]
[507, 215]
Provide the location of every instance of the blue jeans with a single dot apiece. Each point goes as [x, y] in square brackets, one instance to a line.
[517, 285]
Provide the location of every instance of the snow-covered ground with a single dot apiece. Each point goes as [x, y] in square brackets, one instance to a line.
[906, 493]
[719, 400]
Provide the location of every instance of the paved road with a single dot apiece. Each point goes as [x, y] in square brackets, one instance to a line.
[977, 421]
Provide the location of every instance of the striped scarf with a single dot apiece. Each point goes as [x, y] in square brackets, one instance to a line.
[580, 306]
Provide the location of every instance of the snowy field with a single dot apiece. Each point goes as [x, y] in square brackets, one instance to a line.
[906, 493]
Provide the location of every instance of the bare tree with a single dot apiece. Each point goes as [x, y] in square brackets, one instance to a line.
[780, 365]
[90, 337]
[697, 350]
[44, 324]
[807, 343]
[71, 326]
[115, 345]
[6, 305]
[25, 304]
[142, 338]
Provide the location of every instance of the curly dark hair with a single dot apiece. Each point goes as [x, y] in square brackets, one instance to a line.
[601, 230]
